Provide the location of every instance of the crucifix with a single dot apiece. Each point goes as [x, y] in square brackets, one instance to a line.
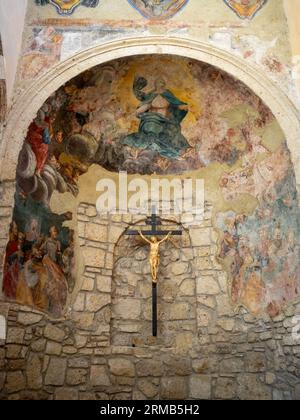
[154, 259]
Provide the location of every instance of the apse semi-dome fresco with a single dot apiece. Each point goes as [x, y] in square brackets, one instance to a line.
[159, 115]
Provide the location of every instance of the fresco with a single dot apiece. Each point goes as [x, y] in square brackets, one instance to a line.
[44, 52]
[161, 114]
[67, 7]
[167, 115]
[246, 9]
[158, 9]
[39, 264]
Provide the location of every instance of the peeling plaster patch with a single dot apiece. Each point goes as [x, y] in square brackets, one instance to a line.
[260, 52]
[179, 31]
[222, 40]
[65, 43]
[252, 46]
[2, 327]
[248, 46]
[72, 43]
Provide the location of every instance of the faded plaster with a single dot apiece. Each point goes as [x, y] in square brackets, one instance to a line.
[293, 20]
[12, 21]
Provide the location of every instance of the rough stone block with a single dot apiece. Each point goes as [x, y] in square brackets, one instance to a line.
[66, 394]
[121, 367]
[255, 362]
[226, 323]
[200, 387]
[56, 371]
[27, 318]
[179, 268]
[201, 237]
[207, 286]
[15, 381]
[179, 311]
[104, 284]
[225, 389]
[38, 345]
[95, 232]
[53, 348]
[99, 376]
[34, 372]
[250, 388]
[203, 317]
[84, 320]
[76, 376]
[149, 368]
[174, 388]
[187, 288]
[224, 306]
[128, 308]
[97, 301]
[94, 257]
[54, 333]
[15, 335]
[79, 303]
[148, 388]
[232, 365]
[88, 284]
[174, 366]
[114, 233]
[183, 342]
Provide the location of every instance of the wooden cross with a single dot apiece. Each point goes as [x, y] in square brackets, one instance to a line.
[154, 221]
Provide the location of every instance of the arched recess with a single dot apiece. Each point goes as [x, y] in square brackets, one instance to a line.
[33, 98]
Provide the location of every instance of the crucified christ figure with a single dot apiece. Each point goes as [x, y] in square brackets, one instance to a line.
[154, 257]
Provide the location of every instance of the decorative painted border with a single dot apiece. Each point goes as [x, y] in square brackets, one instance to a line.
[234, 5]
[60, 11]
[165, 16]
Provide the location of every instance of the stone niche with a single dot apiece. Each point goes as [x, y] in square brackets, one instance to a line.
[132, 293]
[227, 307]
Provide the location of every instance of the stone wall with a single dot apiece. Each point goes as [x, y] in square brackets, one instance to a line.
[229, 356]
[132, 294]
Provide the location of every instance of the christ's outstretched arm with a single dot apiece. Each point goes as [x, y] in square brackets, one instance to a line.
[166, 238]
[144, 238]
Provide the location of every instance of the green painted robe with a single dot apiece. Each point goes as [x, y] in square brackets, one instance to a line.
[157, 133]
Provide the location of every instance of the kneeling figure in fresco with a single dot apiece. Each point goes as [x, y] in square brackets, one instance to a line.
[35, 276]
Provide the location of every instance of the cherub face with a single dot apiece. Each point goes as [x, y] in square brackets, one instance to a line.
[53, 232]
[59, 137]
